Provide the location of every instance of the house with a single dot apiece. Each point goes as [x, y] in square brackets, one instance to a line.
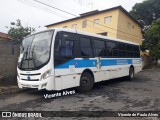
[9, 52]
[4, 36]
[115, 22]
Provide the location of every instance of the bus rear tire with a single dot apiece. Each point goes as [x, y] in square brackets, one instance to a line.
[86, 82]
[131, 73]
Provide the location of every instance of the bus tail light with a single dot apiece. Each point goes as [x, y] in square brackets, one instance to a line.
[46, 74]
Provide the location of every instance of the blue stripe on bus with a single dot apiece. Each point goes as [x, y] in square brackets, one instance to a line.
[92, 63]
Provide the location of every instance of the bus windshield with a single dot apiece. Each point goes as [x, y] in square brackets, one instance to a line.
[35, 50]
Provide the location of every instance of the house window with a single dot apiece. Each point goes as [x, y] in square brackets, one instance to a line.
[96, 21]
[74, 26]
[107, 20]
[84, 24]
[129, 25]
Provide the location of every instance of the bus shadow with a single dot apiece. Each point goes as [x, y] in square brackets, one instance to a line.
[99, 85]
[44, 92]
[111, 82]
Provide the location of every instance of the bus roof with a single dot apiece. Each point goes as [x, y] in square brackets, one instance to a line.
[94, 35]
[90, 34]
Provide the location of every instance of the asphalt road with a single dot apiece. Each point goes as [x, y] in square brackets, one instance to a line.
[140, 94]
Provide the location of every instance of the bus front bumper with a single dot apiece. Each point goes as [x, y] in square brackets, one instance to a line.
[47, 84]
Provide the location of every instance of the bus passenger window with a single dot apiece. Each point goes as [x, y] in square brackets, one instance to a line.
[67, 50]
[58, 45]
[136, 51]
[85, 45]
[112, 49]
[103, 52]
[130, 52]
[99, 48]
[122, 50]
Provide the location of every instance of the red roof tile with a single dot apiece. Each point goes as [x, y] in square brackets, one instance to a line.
[5, 36]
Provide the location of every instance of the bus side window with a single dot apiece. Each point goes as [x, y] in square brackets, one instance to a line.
[122, 50]
[130, 52]
[99, 48]
[65, 48]
[85, 47]
[69, 48]
[136, 51]
[112, 49]
[64, 44]
[58, 45]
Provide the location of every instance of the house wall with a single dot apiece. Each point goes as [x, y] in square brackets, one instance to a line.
[132, 34]
[118, 28]
[8, 61]
[109, 28]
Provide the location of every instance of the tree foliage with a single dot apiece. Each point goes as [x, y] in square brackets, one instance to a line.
[152, 39]
[146, 12]
[18, 32]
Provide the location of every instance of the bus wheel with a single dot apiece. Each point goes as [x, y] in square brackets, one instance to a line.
[131, 73]
[86, 82]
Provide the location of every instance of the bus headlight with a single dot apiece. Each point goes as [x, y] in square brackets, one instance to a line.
[46, 74]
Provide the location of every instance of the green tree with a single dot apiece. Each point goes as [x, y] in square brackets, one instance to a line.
[146, 12]
[18, 32]
[152, 40]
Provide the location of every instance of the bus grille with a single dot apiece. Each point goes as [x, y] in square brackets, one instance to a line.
[30, 79]
[29, 76]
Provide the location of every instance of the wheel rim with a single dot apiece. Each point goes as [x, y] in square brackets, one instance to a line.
[131, 74]
[84, 82]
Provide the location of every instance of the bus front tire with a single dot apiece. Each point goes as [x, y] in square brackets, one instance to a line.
[86, 82]
[131, 73]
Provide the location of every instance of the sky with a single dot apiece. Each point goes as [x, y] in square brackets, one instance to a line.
[36, 15]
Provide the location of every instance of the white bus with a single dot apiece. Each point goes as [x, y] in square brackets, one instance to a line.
[62, 58]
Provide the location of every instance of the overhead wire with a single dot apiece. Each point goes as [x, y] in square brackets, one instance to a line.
[82, 3]
[97, 4]
[68, 8]
[43, 8]
[54, 7]
[83, 18]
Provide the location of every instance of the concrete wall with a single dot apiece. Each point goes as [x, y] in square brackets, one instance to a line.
[9, 51]
[146, 60]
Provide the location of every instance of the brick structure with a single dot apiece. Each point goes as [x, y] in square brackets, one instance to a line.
[4, 36]
[9, 52]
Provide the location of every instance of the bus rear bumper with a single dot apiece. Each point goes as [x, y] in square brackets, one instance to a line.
[47, 84]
